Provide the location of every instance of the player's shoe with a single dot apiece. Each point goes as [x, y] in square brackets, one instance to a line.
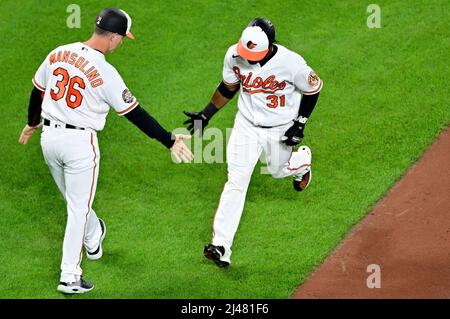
[302, 180]
[98, 253]
[215, 253]
[77, 287]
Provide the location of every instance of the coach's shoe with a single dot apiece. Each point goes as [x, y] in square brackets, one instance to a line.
[215, 253]
[303, 179]
[77, 287]
[98, 253]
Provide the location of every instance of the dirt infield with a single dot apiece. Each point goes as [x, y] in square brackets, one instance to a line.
[407, 234]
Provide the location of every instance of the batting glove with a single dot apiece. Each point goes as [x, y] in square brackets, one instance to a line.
[197, 121]
[294, 135]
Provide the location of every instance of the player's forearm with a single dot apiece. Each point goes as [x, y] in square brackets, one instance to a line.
[307, 106]
[222, 95]
[219, 100]
[34, 107]
[147, 124]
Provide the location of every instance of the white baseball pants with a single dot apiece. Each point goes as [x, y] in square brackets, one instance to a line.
[73, 157]
[244, 148]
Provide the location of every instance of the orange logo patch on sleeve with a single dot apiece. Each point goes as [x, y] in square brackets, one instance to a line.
[313, 79]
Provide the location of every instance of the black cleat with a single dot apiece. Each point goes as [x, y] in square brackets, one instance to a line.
[215, 253]
[77, 287]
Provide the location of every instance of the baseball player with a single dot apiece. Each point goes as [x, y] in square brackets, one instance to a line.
[73, 90]
[278, 92]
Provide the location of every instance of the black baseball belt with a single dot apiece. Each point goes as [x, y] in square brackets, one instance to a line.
[69, 126]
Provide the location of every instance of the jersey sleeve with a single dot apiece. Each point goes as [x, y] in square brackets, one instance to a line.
[306, 80]
[40, 77]
[117, 95]
[228, 73]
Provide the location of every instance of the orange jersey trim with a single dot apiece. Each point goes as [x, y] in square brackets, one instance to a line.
[296, 168]
[128, 109]
[316, 90]
[37, 85]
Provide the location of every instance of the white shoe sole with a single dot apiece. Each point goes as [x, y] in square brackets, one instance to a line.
[70, 290]
[310, 178]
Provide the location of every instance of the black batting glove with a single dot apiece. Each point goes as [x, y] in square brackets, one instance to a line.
[294, 135]
[197, 121]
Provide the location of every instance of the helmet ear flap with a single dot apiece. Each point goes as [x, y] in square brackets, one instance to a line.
[267, 26]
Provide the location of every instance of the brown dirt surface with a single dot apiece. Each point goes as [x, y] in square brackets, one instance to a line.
[407, 234]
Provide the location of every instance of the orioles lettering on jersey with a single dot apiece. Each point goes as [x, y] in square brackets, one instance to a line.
[269, 85]
[270, 93]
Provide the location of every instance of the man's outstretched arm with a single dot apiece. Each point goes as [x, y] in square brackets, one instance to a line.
[147, 124]
[222, 95]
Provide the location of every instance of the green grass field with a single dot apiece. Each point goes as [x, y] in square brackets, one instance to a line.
[384, 101]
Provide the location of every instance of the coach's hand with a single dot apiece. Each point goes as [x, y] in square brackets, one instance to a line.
[180, 151]
[27, 132]
[197, 121]
[294, 135]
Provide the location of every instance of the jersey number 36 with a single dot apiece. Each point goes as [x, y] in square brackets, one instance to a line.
[66, 83]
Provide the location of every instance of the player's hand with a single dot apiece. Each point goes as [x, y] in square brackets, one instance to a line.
[27, 132]
[197, 121]
[294, 135]
[180, 151]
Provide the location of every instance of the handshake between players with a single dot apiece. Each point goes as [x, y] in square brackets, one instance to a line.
[278, 92]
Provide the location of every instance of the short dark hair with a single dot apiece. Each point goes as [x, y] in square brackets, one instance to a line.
[102, 32]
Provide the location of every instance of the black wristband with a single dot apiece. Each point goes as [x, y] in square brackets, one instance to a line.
[210, 110]
[225, 91]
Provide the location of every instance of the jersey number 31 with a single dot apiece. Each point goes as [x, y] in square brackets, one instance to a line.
[274, 101]
[66, 83]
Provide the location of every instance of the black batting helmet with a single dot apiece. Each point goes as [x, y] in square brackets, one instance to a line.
[267, 26]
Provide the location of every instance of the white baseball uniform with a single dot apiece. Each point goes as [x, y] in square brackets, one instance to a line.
[268, 103]
[80, 86]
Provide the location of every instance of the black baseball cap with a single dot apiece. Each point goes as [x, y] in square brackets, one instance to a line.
[115, 20]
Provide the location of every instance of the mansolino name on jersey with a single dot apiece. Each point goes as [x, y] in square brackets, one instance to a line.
[80, 63]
